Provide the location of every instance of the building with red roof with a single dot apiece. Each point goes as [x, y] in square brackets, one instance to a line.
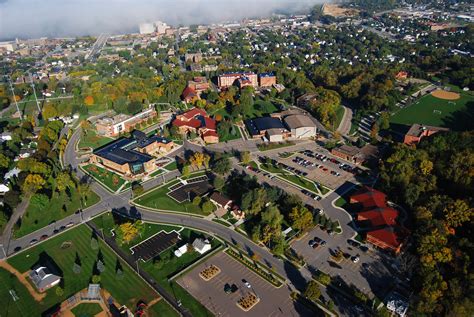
[197, 121]
[381, 220]
[388, 238]
[369, 198]
[189, 95]
[382, 216]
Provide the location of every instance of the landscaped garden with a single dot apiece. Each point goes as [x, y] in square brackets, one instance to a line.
[42, 211]
[111, 180]
[77, 254]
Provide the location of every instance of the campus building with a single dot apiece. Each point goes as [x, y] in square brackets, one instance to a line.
[267, 79]
[197, 121]
[349, 153]
[43, 278]
[380, 219]
[121, 123]
[417, 132]
[132, 156]
[229, 79]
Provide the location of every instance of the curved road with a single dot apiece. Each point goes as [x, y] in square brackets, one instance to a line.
[121, 203]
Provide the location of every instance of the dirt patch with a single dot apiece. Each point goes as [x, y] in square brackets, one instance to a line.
[22, 278]
[445, 95]
[337, 11]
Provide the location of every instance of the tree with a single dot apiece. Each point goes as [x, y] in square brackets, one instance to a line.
[89, 100]
[199, 159]
[207, 207]
[119, 274]
[63, 181]
[94, 243]
[197, 200]
[245, 157]
[127, 231]
[76, 268]
[385, 121]
[100, 266]
[185, 170]
[301, 218]
[218, 183]
[222, 165]
[4, 161]
[96, 279]
[59, 291]
[33, 183]
[312, 291]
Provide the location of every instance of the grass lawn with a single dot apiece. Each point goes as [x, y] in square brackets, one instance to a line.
[25, 306]
[162, 308]
[170, 267]
[339, 116]
[80, 247]
[341, 201]
[231, 137]
[272, 146]
[272, 168]
[93, 140]
[111, 180]
[86, 310]
[421, 111]
[159, 199]
[172, 166]
[37, 217]
[261, 108]
[156, 173]
[301, 182]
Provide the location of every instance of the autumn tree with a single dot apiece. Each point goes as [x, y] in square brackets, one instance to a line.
[199, 160]
[33, 183]
[245, 157]
[127, 231]
[64, 181]
[301, 218]
[312, 291]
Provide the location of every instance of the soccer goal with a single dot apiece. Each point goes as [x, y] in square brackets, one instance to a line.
[437, 111]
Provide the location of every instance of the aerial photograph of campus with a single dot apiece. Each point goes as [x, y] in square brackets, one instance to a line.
[236, 158]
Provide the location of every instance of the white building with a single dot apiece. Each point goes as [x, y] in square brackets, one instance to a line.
[201, 245]
[147, 28]
[160, 27]
[181, 250]
[8, 46]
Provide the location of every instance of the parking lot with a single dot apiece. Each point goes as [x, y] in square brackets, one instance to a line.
[371, 273]
[317, 165]
[273, 301]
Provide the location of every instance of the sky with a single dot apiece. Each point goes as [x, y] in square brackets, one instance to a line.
[60, 18]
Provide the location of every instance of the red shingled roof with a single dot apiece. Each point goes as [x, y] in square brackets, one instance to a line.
[391, 236]
[194, 112]
[379, 216]
[369, 198]
[210, 133]
[193, 123]
[209, 123]
[188, 93]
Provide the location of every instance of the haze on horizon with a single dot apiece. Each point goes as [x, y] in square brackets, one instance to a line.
[63, 18]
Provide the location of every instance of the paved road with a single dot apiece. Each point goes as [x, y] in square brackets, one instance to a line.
[345, 124]
[121, 203]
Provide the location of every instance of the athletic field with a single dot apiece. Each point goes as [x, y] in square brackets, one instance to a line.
[433, 111]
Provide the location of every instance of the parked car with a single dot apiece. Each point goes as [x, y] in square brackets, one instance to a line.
[34, 241]
[230, 288]
[247, 284]
[355, 259]
[43, 237]
[17, 249]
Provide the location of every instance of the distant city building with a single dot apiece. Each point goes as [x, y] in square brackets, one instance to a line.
[132, 156]
[160, 27]
[199, 84]
[121, 123]
[8, 46]
[147, 28]
[417, 132]
[193, 57]
[189, 95]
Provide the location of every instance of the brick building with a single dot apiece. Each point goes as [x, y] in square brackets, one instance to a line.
[121, 123]
[267, 80]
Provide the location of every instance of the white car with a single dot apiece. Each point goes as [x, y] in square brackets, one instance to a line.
[355, 259]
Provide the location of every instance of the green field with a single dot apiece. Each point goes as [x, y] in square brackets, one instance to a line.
[25, 306]
[86, 310]
[37, 217]
[91, 139]
[425, 111]
[158, 199]
[172, 166]
[80, 248]
[111, 180]
[261, 108]
[171, 266]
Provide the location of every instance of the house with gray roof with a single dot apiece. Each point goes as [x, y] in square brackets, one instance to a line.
[43, 278]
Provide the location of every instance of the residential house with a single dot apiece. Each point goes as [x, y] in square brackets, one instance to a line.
[190, 95]
[201, 245]
[220, 201]
[43, 278]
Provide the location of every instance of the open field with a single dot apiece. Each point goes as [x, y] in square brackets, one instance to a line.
[86, 310]
[92, 140]
[158, 199]
[60, 206]
[25, 306]
[337, 11]
[446, 95]
[78, 249]
[430, 110]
